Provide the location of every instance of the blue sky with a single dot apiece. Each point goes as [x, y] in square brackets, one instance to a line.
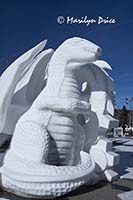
[26, 23]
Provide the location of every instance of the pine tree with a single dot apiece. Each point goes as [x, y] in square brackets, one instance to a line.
[123, 116]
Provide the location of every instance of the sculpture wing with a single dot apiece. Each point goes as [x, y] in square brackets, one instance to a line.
[11, 76]
[32, 81]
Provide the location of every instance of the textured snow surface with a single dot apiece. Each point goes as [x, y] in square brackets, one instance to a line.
[129, 143]
[125, 150]
[3, 199]
[129, 175]
[126, 195]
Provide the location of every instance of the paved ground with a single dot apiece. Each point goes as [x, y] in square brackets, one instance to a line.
[101, 191]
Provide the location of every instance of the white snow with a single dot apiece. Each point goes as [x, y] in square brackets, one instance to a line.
[125, 167]
[129, 175]
[126, 195]
[123, 148]
[3, 199]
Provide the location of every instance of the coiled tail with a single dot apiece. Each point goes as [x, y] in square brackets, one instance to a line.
[45, 181]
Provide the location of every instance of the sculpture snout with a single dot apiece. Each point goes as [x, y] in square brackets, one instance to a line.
[93, 48]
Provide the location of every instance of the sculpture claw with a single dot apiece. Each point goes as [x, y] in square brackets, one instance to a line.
[102, 64]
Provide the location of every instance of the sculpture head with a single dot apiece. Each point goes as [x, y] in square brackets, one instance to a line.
[78, 50]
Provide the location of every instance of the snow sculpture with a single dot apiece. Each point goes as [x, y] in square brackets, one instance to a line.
[53, 150]
[102, 107]
[18, 85]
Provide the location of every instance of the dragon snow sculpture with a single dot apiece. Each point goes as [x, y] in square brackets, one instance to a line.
[55, 146]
